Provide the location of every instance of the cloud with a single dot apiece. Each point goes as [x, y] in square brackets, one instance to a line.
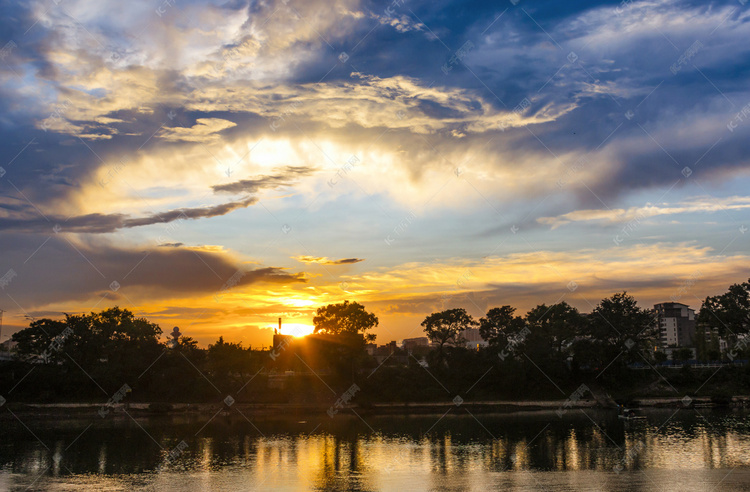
[652, 273]
[66, 269]
[204, 130]
[323, 260]
[105, 223]
[286, 178]
[616, 216]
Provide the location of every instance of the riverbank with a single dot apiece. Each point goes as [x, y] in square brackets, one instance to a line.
[394, 408]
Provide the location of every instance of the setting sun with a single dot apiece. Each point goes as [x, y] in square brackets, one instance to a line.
[296, 329]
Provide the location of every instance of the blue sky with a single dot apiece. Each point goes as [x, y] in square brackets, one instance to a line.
[218, 165]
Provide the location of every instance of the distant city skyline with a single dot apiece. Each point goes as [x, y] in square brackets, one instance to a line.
[218, 165]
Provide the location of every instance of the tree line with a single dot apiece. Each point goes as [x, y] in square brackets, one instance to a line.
[549, 348]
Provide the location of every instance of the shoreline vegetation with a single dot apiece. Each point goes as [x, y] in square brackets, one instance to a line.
[553, 357]
[125, 410]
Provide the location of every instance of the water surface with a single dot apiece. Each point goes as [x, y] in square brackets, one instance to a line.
[686, 450]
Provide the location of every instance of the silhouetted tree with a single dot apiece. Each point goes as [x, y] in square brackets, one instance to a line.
[228, 360]
[499, 324]
[345, 318]
[558, 324]
[621, 326]
[729, 312]
[445, 327]
[340, 335]
[35, 343]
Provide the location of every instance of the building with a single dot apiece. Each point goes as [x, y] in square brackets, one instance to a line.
[8, 346]
[412, 343]
[280, 342]
[473, 338]
[676, 324]
[7, 349]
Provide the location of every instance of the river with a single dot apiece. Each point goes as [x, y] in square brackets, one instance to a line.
[671, 449]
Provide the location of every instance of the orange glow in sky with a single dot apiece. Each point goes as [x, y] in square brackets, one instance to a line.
[296, 329]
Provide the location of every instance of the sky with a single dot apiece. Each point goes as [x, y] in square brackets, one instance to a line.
[218, 165]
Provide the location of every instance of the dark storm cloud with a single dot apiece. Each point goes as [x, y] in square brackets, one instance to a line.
[57, 269]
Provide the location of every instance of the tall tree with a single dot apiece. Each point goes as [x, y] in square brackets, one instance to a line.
[559, 324]
[42, 341]
[445, 327]
[345, 318]
[729, 312]
[227, 360]
[619, 324]
[341, 331]
[499, 324]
